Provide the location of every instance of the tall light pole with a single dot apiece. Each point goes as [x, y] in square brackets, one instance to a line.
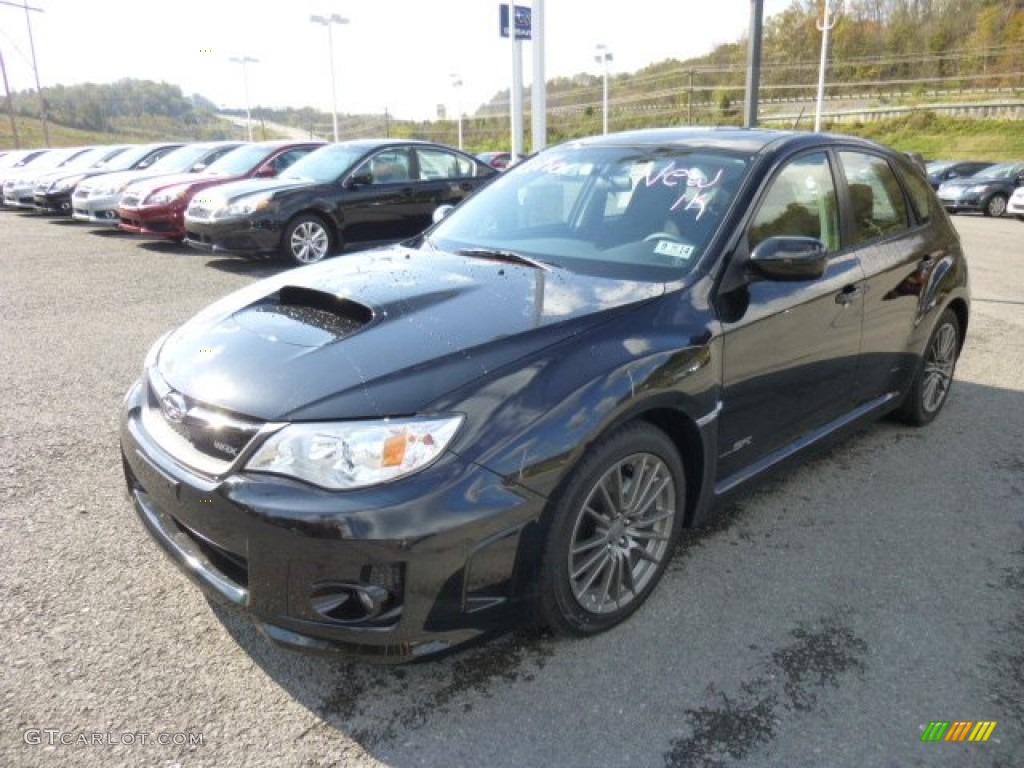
[753, 62]
[328, 21]
[603, 57]
[245, 61]
[456, 85]
[35, 67]
[824, 26]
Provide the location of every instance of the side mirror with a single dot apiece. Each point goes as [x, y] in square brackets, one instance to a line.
[266, 172]
[790, 258]
[442, 212]
[357, 180]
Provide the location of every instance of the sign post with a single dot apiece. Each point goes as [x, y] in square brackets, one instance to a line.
[521, 22]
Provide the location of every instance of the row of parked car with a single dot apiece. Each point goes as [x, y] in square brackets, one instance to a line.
[979, 186]
[298, 200]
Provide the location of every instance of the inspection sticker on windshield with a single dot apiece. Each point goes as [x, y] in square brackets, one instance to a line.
[678, 250]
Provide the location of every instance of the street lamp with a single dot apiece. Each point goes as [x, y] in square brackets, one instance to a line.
[328, 21]
[824, 26]
[245, 61]
[456, 84]
[603, 57]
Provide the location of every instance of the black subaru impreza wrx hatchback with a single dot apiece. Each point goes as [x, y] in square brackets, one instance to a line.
[510, 417]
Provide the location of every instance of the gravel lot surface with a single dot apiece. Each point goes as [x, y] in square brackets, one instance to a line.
[832, 612]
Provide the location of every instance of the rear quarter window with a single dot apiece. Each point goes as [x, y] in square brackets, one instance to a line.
[921, 196]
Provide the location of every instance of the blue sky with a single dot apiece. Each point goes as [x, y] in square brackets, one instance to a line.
[397, 54]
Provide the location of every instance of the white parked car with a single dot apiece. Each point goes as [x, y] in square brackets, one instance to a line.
[1015, 206]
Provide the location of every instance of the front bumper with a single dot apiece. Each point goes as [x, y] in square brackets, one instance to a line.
[19, 197]
[95, 210]
[53, 202]
[419, 566]
[243, 237]
[961, 203]
[155, 221]
[1015, 207]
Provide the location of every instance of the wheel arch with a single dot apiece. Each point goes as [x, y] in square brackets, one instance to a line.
[685, 435]
[959, 308]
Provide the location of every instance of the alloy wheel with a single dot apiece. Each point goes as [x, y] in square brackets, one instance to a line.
[938, 368]
[622, 533]
[309, 242]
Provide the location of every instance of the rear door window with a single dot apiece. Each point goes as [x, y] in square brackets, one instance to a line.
[878, 206]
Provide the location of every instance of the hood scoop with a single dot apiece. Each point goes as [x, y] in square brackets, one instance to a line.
[304, 316]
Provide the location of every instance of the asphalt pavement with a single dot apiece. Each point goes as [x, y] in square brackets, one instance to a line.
[828, 617]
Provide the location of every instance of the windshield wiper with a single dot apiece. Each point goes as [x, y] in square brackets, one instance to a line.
[511, 257]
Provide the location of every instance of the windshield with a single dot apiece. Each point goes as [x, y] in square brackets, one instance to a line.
[55, 158]
[642, 213]
[126, 160]
[181, 159]
[94, 157]
[1002, 171]
[239, 161]
[324, 164]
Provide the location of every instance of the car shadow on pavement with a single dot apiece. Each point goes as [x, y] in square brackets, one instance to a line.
[248, 267]
[782, 639]
[165, 246]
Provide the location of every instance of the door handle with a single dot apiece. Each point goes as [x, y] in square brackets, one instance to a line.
[849, 294]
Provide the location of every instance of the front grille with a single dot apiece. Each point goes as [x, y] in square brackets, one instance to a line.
[194, 432]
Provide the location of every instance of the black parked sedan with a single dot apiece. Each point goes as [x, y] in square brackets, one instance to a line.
[352, 193]
[510, 417]
[985, 192]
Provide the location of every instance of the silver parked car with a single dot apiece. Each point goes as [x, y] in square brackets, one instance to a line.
[95, 201]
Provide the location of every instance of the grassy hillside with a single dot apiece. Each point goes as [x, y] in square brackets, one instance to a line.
[944, 138]
[30, 133]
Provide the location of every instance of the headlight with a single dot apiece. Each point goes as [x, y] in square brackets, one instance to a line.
[166, 196]
[356, 454]
[977, 190]
[243, 207]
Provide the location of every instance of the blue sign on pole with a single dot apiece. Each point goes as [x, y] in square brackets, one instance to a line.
[524, 20]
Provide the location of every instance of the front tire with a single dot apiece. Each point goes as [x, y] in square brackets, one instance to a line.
[306, 240]
[930, 387]
[612, 531]
[996, 206]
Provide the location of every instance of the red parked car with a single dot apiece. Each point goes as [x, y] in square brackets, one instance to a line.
[156, 207]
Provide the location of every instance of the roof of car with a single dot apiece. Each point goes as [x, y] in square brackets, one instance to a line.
[743, 140]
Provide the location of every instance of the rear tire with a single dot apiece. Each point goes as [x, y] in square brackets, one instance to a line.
[306, 240]
[930, 387]
[612, 532]
[996, 206]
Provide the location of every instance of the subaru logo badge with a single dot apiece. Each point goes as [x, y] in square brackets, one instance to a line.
[174, 407]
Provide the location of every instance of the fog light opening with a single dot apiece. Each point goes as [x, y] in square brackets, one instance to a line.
[348, 603]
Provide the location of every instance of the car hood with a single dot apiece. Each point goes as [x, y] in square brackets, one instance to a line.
[380, 333]
[123, 178]
[236, 189]
[157, 183]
